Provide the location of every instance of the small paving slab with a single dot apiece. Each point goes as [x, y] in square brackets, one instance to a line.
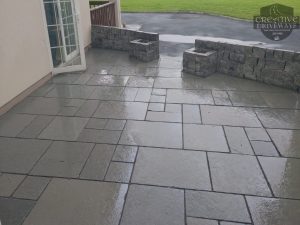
[172, 168]
[237, 174]
[283, 175]
[257, 134]
[32, 187]
[9, 183]
[153, 205]
[238, 141]
[266, 211]
[200, 221]
[191, 114]
[108, 80]
[119, 172]
[152, 134]
[99, 136]
[264, 148]
[204, 137]
[98, 162]
[20, 155]
[14, 211]
[125, 153]
[214, 205]
[79, 202]
[63, 159]
[12, 124]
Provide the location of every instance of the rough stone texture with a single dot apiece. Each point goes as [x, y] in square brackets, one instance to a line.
[144, 50]
[200, 62]
[270, 66]
[141, 45]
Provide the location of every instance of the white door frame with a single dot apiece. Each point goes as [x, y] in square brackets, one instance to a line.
[64, 68]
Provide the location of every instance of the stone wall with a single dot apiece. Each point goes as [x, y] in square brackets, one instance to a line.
[270, 66]
[118, 38]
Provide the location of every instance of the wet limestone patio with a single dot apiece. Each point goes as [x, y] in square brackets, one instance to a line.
[130, 143]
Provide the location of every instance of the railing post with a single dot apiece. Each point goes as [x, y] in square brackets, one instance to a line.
[118, 13]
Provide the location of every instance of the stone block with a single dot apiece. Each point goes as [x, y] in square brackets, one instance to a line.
[237, 57]
[200, 62]
[259, 52]
[144, 50]
[275, 64]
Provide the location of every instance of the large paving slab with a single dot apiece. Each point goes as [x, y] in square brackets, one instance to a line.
[279, 118]
[9, 183]
[12, 124]
[14, 211]
[64, 128]
[20, 155]
[235, 173]
[108, 80]
[63, 159]
[172, 168]
[152, 134]
[283, 175]
[232, 116]
[72, 202]
[153, 205]
[71, 91]
[214, 205]
[286, 141]
[204, 137]
[189, 96]
[271, 211]
[122, 110]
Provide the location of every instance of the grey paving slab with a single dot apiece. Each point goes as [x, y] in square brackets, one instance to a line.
[184, 83]
[232, 116]
[286, 141]
[283, 176]
[173, 108]
[204, 137]
[41, 106]
[251, 99]
[68, 78]
[153, 134]
[167, 72]
[238, 141]
[115, 124]
[63, 159]
[153, 205]
[199, 221]
[172, 168]
[99, 136]
[36, 126]
[98, 162]
[64, 128]
[140, 82]
[68, 111]
[122, 110]
[191, 114]
[96, 123]
[9, 183]
[189, 96]
[83, 79]
[79, 202]
[108, 80]
[214, 205]
[279, 118]
[129, 94]
[71, 91]
[32, 187]
[88, 108]
[107, 93]
[159, 91]
[221, 98]
[158, 98]
[14, 211]
[257, 134]
[164, 116]
[42, 91]
[12, 124]
[264, 148]
[125, 153]
[237, 174]
[156, 107]
[267, 211]
[143, 95]
[20, 155]
[119, 172]
[231, 223]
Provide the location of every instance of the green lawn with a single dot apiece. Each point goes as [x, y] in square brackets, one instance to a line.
[244, 9]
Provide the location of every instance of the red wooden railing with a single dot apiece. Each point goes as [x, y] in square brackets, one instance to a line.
[104, 15]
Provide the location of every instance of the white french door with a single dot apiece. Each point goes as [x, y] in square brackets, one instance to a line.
[65, 37]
